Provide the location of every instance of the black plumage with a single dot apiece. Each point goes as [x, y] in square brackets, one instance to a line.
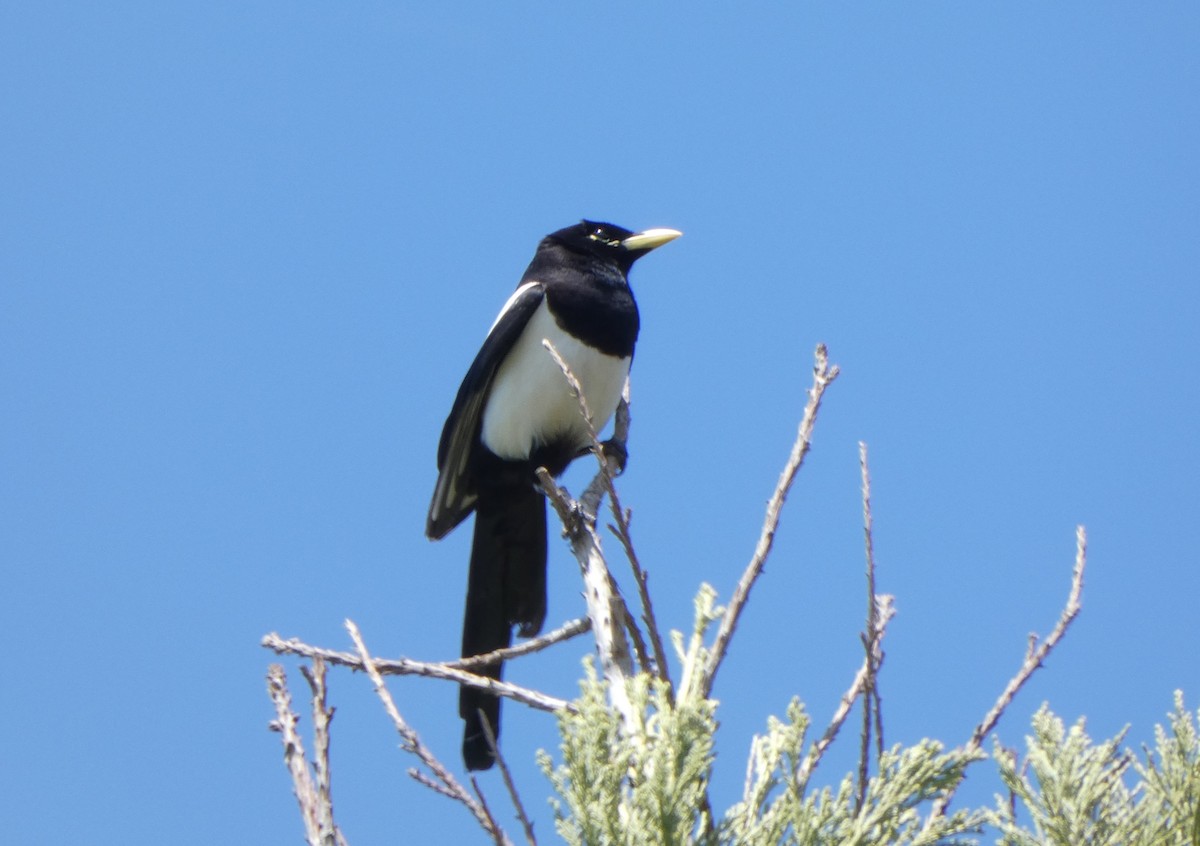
[514, 413]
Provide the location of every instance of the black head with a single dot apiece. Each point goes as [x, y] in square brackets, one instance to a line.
[609, 242]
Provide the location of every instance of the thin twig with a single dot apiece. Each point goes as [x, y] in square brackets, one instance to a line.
[641, 578]
[316, 809]
[508, 782]
[884, 614]
[405, 666]
[497, 836]
[871, 718]
[823, 376]
[1034, 658]
[636, 641]
[877, 709]
[421, 778]
[610, 466]
[322, 716]
[410, 741]
[1034, 662]
[447, 671]
[566, 631]
[622, 532]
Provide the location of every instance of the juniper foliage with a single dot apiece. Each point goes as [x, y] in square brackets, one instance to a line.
[650, 786]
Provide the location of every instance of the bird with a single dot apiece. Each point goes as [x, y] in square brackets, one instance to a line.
[514, 413]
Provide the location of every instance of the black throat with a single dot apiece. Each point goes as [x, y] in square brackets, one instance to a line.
[589, 298]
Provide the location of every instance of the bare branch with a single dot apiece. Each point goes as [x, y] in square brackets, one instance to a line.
[421, 778]
[622, 533]
[410, 741]
[884, 614]
[497, 835]
[872, 718]
[636, 641]
[603, 481]
[564, 632]
[322, 716]
[316, 809]
[447, 671]
[1035, 655]
[609, 467]
[605, 607]
[405, 666]
[823, 376]
[508, 782]
[1039, 653]
[641, 578]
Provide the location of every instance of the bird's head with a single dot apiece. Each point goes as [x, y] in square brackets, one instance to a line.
[609, 242]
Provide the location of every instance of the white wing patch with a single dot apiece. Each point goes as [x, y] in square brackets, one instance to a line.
[516, 295]
[530, 403]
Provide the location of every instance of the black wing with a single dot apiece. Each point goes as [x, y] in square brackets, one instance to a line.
[455, 495]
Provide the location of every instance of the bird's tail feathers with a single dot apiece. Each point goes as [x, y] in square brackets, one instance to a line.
[506, 587]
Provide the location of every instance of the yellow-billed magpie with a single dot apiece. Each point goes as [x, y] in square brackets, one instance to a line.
[513, 414]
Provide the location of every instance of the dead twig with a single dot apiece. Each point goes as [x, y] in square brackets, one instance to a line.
[1036, 653]
[322, 715]
[610, 466]
[410, 741]
[605, 607]
[314, 798]
[509, 784]
[405, 666]
[823, 376]
[447, 670]
[621, 531]
[883, 615]
[872, 721]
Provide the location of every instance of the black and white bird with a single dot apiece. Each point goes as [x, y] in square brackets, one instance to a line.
[513, 414]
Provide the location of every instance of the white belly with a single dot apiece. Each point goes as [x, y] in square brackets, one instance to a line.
[536, 406]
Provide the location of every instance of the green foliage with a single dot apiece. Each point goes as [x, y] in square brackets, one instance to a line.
[1172, 780]
[646, 787]
[1077, 792]
[1076, 795]
[648, 784]
[593, 772]
[776, 810]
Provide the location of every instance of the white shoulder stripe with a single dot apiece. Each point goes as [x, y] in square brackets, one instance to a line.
[516, 295]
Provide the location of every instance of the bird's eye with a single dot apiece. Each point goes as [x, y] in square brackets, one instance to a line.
[599, 233]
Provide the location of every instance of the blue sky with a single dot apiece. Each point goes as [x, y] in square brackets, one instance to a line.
[248, 251]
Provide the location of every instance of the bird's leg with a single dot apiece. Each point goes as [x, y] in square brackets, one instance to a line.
[615, 450]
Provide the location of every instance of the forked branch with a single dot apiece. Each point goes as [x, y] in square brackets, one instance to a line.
[313, 796]
[442, 781]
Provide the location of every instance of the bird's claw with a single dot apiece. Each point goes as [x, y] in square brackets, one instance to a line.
[614, 450]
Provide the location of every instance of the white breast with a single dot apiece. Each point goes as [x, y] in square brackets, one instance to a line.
[530, 403]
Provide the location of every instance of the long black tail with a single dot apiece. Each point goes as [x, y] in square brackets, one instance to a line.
[506, 586]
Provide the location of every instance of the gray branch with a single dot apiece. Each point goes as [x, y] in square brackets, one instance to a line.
[410, 741]
[823, 376]
[314, 798]
[606, 608]
[1036, 653]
